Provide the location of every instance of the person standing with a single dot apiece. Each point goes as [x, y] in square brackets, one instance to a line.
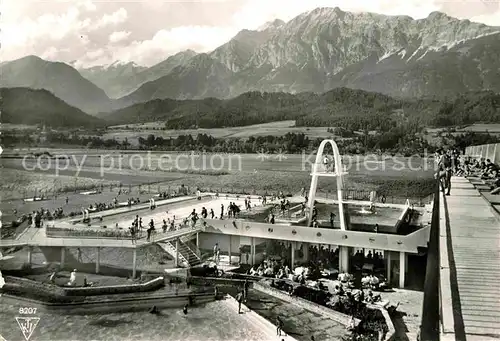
[216, 247]
[245, 290]
[239, 298]
[279, 326]
[332, 219]
[132, 234]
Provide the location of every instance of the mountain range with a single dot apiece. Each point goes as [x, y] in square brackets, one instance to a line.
[41, 107]
[59, 78]
[341, 107]
[316, 51]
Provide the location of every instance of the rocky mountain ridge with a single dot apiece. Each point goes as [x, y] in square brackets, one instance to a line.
[328, 48]
[314, 52]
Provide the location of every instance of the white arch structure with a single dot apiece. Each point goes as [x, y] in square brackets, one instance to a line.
[337, 172]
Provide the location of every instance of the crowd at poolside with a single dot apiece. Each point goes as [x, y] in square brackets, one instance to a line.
[173, 223]
[317, 281]
[451, 162]
[488, 171]
[321, 264]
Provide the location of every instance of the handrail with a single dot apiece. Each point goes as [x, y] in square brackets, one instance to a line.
[484, 151]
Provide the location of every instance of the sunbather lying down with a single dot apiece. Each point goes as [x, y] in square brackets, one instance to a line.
[495, 188]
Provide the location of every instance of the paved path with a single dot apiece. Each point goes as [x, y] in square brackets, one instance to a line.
[470, 264]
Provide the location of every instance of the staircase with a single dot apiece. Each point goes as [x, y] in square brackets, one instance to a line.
[192, 258]
[187, 257]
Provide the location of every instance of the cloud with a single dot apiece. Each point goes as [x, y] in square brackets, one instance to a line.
[115, 18]
[492, 19]
[95, 54]
[53, 27]
[116, 37]
[163, 44]
[50, 54]
[65, 25]
[98, 32]
[87, 5]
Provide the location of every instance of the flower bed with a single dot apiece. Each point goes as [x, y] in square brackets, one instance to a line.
[370, 321]
[303, 303]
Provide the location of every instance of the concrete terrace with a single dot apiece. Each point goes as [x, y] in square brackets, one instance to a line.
[469, 265]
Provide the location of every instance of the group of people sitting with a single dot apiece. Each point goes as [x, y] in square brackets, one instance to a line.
[270, 268]
[376, 259]
[487, 171]
[450, 163]
[344, 297]
[35, 219]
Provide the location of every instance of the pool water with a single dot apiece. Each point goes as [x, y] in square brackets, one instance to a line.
[201, 323]
[382, 215]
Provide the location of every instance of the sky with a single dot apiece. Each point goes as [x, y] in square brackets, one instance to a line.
[89, 33]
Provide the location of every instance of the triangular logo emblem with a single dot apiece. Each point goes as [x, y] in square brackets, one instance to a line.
[27, 325]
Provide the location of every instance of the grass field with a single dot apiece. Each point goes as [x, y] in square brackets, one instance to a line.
[400, 177]
[134, 131]
[15, 183]
[482, 128]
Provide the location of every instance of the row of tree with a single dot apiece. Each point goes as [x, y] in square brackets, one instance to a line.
[342, 107]
[397, 140]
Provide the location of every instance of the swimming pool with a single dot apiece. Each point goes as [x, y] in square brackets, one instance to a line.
[180, 211]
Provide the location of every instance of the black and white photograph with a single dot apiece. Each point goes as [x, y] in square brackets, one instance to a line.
[249, 170]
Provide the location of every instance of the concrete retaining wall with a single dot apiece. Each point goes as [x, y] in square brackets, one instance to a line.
[16, 284]
[114, 306]
[310, 306]
[116, 289]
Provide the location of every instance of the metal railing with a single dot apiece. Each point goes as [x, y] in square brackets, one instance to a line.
[486, 151]
[154, 189]
[111, 233]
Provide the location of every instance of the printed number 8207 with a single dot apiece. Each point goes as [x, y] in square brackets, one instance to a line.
[26, 311]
